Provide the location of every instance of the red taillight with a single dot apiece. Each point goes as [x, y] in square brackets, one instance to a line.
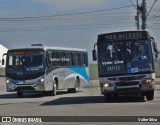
[146, 85]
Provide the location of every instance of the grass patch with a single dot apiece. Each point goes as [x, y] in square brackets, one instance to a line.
[158, 76]
[157, 83]
[2, 71]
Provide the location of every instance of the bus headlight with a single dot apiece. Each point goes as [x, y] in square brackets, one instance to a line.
[105, 84]
[7, 81]
[150, 80]
[147, 81]
[42, 80]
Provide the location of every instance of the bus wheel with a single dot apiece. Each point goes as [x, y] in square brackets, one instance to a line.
[54, 90]
[150, 95]
[77, 86]
[19, 94]
[69, 90]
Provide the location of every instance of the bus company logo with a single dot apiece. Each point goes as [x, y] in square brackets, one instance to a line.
[6, 119]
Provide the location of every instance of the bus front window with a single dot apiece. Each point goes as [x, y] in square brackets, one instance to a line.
[125, 57]
[140, 58]
[111, 59]
[25, 64]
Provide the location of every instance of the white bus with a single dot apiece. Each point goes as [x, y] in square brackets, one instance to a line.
[42, 68]
[126, 63]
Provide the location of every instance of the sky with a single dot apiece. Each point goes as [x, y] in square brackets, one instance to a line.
[69, 23]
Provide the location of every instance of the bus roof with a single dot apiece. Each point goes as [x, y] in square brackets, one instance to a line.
[40, 46]
[125, 31]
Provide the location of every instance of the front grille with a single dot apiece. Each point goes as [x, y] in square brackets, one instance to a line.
[128, 91]
[113, 79]
[131, 78]
[21, 88]
[127, 83]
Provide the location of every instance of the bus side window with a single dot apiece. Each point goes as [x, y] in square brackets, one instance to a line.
[79, 59]
[11, 60]
[14, 61]
[55, 58]
[72, 57]
[64, 59]
[86, 59]
[69, 59]
[61, 57]
[48, 61]
[75, 59]
[82, 59]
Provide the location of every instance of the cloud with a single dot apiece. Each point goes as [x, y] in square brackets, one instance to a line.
[73, 4]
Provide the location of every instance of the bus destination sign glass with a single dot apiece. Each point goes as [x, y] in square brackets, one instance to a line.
[25, 52]
[126, 35]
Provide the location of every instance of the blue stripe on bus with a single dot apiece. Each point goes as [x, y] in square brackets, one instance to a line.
[81, 71]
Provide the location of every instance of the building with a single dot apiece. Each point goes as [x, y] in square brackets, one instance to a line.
[2, 51]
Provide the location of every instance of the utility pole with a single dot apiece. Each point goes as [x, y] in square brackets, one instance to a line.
[137, 17]
[142, 10]
[144, 15]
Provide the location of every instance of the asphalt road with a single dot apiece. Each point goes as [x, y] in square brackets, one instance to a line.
[87, 102]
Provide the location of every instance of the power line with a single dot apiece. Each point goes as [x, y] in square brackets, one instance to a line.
[133, 4]
[151, 8]
[156, 16]
[69, 14]
[154, 28]
[70, 28]
[71, 19]
[104, 23]
[79, 25]
[90, 19]
[79, 19]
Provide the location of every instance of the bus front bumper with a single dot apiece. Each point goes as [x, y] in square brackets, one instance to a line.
[127, 90]
[27, 85]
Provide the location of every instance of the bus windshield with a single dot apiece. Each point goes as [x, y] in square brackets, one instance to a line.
[25, 64]
[125, 57]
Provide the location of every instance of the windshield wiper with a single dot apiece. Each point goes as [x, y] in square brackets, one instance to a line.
[114, 46]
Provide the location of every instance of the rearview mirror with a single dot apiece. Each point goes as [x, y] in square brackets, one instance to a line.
[94, 55]
[155, 47]
[156, 54]
[2, 61]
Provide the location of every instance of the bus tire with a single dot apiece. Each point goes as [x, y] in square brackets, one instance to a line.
[69, 90]
[77, 85]
[19, 94]
[150, 95]
[54, 90]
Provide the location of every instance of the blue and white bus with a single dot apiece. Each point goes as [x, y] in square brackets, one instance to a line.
[39, 68]
[126, 63]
